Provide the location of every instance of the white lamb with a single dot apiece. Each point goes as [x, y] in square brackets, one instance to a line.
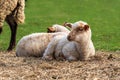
[76, 46]
[36, 43]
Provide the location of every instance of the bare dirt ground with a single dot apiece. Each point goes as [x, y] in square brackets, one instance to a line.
[104, 66]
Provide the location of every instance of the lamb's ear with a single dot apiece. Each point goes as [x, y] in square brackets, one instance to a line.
[86, 27]
[67, 24]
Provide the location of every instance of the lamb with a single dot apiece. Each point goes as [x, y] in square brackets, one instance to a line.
[81, 35]
[12, 11]
[36, 43]
[77, 45]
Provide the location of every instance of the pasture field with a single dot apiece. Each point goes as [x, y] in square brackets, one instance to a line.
[102, 15]
[104, 18]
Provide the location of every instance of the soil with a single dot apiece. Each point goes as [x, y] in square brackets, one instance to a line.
[104, 66]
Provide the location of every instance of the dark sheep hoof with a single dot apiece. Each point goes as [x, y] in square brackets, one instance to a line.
[9, 49]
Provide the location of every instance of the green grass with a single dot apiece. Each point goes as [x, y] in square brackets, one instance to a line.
[102, 15]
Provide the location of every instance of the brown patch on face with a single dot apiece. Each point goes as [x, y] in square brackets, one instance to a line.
[79, 29]
[81, 25]
[51, 30]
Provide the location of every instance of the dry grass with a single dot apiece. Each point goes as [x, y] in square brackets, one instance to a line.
[102, 67]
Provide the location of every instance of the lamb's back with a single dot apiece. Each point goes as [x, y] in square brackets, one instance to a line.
[33, 45]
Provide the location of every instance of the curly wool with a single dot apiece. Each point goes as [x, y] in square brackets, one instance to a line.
[12, 7]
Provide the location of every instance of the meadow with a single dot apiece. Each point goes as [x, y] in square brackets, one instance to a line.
[102, 15]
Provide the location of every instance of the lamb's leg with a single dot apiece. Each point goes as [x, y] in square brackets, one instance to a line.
[13, 26]
[48, 54]
[59, 47]
[58, 53]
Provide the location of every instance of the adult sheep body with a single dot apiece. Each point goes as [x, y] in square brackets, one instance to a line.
[12, 11]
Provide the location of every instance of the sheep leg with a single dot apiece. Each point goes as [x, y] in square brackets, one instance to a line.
[48, 54]
[13, 26]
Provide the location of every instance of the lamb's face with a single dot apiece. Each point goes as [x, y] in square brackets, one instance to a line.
[78, 32]
[51, 29]
[54, 28]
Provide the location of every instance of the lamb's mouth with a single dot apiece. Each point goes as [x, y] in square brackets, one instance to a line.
[69, 38]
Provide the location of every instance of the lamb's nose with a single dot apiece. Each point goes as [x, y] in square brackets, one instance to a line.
[69, 38]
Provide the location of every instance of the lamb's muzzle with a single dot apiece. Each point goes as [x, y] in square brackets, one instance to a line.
[69, 38]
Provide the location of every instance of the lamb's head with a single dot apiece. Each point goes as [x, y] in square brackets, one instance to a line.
[80, 31]
[57, 28]
[51, 29]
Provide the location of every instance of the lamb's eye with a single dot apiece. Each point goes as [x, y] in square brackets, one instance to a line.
[80, 29]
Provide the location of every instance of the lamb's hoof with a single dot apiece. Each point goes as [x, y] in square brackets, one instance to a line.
[48, 58]
[60, 59]
[0, 30]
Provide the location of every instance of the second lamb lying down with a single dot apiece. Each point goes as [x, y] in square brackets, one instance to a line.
[36, 43]
[76, 46]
